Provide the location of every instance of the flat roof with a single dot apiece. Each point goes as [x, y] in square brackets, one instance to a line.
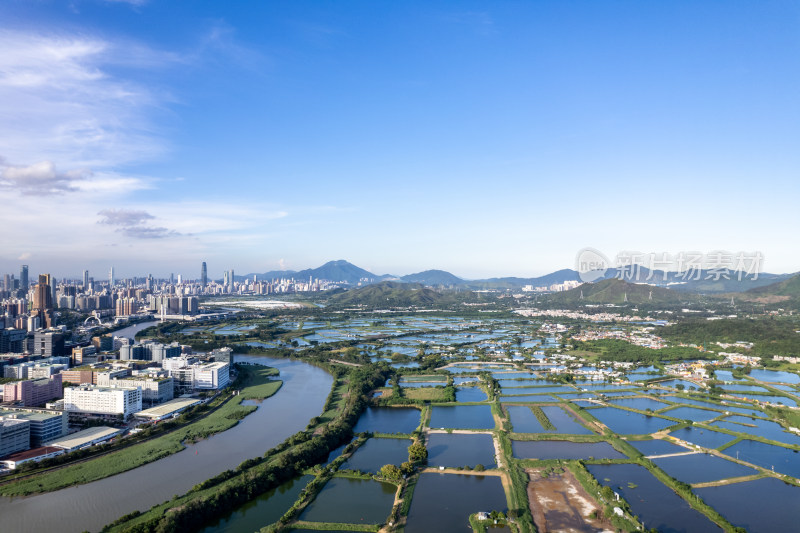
[33, 452]
[86, 436]
[167, 408]
[27, 415]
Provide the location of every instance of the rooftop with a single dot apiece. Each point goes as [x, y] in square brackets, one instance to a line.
[30, 454]
[167, 407]
[76, 440]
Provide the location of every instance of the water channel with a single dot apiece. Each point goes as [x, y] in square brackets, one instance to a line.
[93, 505]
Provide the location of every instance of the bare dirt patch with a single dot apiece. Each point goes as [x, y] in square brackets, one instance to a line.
[559, 503]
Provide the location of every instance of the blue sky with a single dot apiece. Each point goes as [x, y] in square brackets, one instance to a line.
[483, 138]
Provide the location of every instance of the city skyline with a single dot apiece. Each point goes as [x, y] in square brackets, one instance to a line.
[484, 140]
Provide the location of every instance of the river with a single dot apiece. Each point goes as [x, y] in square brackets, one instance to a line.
[93, 505]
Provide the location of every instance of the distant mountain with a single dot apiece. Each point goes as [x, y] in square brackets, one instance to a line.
[560, 276]
[390, 294]
[340, 271]
[703, 281]
[434, 278]
[616, 291]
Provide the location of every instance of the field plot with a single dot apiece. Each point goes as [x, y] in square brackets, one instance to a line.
[559, 503]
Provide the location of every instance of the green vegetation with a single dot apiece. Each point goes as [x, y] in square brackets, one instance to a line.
[623, 351]
[542, 418]
[430, 394]
[770, 336]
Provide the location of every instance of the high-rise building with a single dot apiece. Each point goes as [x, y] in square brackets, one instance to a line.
[231, 278]
[111, 277]
[23, 278]
[43, 297]
[85, 281]
[203, 275]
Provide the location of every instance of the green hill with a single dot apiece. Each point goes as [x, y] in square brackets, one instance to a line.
[782, 291]
[391, 294]
[615, 291]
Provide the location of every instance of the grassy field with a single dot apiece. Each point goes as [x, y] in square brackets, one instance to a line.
[431, 394]
[257, 385]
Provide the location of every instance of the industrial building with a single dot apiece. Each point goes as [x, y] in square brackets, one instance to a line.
[91, 399]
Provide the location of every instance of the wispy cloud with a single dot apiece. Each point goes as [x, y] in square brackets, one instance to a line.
[60, 102]
[132, 223]
[124, 217]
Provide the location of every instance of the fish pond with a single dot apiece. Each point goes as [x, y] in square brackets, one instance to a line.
[702, 437]
[352, 501]
[443, 502]
[653, 502]
[774, 376]
[388, 420]
[376, 452]
[536, 390]
[564, 449]
[782, 460]
[530, 398]
[761, 506]
[462, 417]
[691, 413]
[456, 449]
[701, 468]
[656, 447]
[470, 394]
[641, 404]
[628, 422]
[766, 429]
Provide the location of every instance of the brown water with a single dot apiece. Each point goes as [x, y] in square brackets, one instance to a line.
[91, 506]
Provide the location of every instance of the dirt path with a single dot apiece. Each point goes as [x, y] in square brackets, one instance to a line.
[343, 362]
[672, 455]
[461, 431]
[436, 470]
[728, 481]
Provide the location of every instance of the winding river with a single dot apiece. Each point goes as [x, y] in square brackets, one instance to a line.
[93, 505]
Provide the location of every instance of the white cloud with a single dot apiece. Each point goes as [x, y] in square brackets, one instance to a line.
[40, 178]
[60, 102]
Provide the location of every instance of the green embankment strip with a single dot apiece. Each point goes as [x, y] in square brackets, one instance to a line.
[542, 418]
[334, 526]
[257, 386]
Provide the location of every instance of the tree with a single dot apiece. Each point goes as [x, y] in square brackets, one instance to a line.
[391, 472]
[417, 452]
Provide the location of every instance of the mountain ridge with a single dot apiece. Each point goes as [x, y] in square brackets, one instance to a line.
[702, 281]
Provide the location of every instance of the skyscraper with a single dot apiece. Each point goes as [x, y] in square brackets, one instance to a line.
[203, 275]
[85, 281]
[230, 279]
[111, 278]
[43, 297]
[23, 278]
